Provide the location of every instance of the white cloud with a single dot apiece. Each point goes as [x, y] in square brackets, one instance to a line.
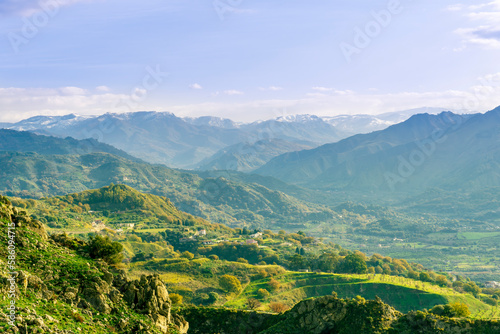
[322, 89]
[485, 26]
[72, 91]
[20, 103]
[482, 97]
[233, 92]
[195, 86]
[271, 88]
[103, 89]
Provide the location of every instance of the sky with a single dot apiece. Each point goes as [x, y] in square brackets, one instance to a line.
[247, 60]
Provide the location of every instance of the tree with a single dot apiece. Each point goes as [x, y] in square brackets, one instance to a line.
[100, 247]
[262, 293]
[253, 304]
[353, 264]
[213, 257]
[328, 261]
[213, 297]
[460, 309]
[230, 283]
[412, 274]
[296, 261]
[441, 280]
[424, 276]
[274, 285]
[472, 288]
[187, 255]
[175, 298]
[278, 307]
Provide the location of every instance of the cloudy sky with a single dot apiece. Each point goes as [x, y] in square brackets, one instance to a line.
[247, 59]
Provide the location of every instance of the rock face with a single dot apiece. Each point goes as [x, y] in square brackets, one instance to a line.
[203, 320]
[54, 272]
[331, 315]
[150, 296]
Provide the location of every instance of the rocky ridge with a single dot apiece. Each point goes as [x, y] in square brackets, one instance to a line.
[54, 282]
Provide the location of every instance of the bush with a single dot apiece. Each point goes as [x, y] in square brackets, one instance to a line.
[253, 304]
[460, 309]
[213, 297]
[175, 298]
[451, 310]
[230, 283]
[262, 293]
[353, 264]
[187, 255]
[424, 276]
[103, 248]
[278, 307]
[274, 285]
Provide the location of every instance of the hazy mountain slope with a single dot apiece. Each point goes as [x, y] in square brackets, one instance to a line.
[167, 139]
[246, 156]
[302, 129]
[217, 199]
[345, 162]
[24, 141]
[154, 137]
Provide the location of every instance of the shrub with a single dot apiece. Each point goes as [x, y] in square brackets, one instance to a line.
[103, 248]
[451, 310]
[460, 309]
[262, 293]
[253, 304]
[490, 301]
[187, 255]
[353, 264]
[274, 285]
[278, 307]
[424, 276]
[213, 297]
[230, 283]
[175, 298]
[213, 257]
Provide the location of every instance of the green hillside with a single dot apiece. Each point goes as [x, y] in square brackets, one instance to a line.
[198, 278]
[51, 285]
[216, 199]
[24, 141]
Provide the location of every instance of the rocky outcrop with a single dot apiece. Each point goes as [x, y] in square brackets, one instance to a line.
[204, 320]
[150, 296]
[332, 315]
[55, 271]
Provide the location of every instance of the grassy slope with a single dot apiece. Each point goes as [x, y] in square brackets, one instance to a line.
[220, 200]
[402, 293]
[58, 268]
[189, 278]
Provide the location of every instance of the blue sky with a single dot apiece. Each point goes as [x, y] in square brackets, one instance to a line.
[247, 60]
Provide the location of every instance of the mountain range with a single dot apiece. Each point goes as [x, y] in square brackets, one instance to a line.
[33, 172]
[207, 143]
[448, 151]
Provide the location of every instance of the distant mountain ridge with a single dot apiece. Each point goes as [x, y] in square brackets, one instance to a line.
[25, 141]
[446, 150]
[168, 139]
[162, 137]
[246, 156]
